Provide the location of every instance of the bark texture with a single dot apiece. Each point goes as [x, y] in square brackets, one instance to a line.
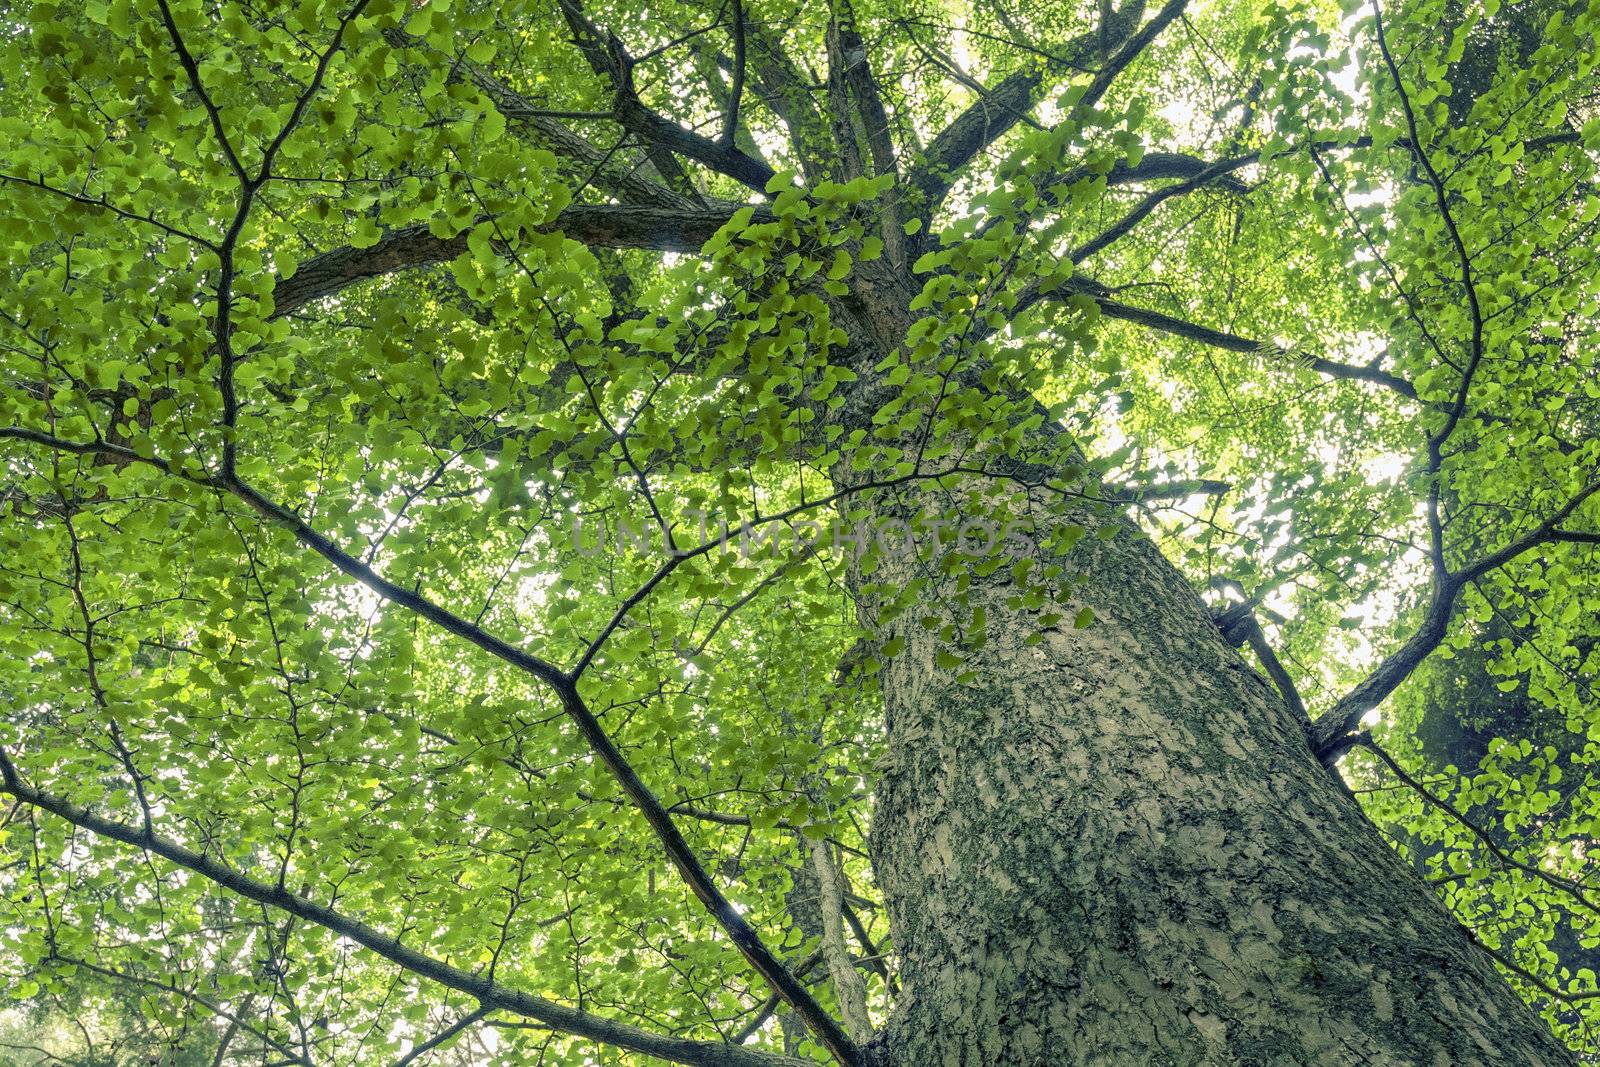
[1116, 848]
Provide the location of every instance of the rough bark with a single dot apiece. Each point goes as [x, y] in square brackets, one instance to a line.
[1117, 848]
[849, 988]
[409, 247]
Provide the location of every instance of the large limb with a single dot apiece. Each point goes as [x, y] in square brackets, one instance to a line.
[862, 85]
[1003, 106]
[786, 90]
[608, 58]
[600, 225]
[616, 176]
[850, 65]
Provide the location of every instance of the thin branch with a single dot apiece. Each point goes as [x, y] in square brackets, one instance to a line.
[491, 994]
[1332, 732]
[1123, 226]
[325, 547]
[229, 1034]
[192, 71]
[938, 58]
[1206, 335]
[1528, 976]
[105, 205]
[234, 1019]
[1548, 530]
[1437, 440]
[443, 1036]
[771, 1004]
[1198, 173]
[1475, 355]
[680, 557]
[298, 112]
[1412, 310]
[248, 188]
[874, 955]
[730, 126]
[1574, 889]
[564, 684]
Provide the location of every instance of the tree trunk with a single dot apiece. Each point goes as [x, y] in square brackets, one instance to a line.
[1116, 847]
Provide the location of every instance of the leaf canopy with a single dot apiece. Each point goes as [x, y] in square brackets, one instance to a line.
[390, 385]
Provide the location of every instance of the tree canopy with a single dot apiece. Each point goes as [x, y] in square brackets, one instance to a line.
[433, 434]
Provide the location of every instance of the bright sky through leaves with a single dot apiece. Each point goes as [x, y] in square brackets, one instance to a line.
[323, 323]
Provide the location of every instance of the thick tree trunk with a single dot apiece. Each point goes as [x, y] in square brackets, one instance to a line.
[1116, 847]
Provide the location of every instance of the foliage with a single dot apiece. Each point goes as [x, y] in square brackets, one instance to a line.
[334, 333]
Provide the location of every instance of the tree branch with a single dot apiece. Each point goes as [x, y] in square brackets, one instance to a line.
[848, 986]
[442, 1037]
[875, 957]
[1575, 889]
[863, 89]
[557, 1016]
[730, 123]
[1240, 626]
[1331, 733]
[787, 92]
[102, 204]
[600, 225]
[1205, 335]
[191, 70]
[1123, 226]
[621, 179]
[1131, 48]
[859, 107]
[608, 58]
[235, 1019]
[1175, 490]
[1156, 166]
[564, 684]
[997, 110]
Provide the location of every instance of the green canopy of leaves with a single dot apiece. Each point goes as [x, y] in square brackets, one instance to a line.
[403, 402]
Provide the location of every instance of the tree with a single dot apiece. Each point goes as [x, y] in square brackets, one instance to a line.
[726, 533]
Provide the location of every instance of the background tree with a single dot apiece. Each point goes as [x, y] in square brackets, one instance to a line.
[718, 533]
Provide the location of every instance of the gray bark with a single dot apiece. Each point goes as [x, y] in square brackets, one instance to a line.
[1117, 848]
